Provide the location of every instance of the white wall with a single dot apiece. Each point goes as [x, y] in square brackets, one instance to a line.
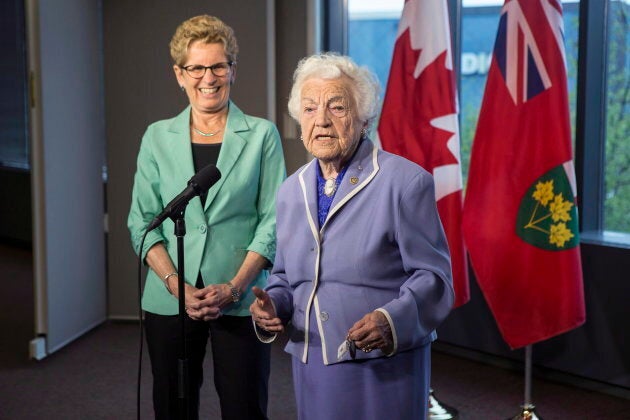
[68, 155]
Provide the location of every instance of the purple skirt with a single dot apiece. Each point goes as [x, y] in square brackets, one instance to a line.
[394, 387]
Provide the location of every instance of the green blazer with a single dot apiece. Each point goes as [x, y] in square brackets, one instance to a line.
[239, 213]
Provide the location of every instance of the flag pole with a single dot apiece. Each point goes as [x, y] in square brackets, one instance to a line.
[527, 409]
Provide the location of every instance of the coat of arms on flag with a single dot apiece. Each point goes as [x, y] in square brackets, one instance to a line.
[547, 216]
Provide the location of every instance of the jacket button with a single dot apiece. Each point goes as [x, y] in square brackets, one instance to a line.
[323, 315]
[203, 228]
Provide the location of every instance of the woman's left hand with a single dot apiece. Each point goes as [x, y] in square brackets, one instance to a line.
[372, 332]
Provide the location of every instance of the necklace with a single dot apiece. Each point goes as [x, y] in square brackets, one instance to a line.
[210, 134]
[330, 187]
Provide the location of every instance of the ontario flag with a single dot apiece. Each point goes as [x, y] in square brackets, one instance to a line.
[520, 217]
[419, 117]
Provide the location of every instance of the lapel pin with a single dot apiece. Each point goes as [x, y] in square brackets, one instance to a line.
[354, 180]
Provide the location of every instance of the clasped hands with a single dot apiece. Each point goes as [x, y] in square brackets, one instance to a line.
[369, 333]
[206, 304]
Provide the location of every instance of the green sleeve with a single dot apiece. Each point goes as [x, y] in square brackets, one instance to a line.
[273, 172]
[146, 201]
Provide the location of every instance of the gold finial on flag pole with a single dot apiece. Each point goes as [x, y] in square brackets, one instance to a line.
[527, 413]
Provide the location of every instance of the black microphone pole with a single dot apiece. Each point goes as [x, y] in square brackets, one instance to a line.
[182, 362]
[198, 184]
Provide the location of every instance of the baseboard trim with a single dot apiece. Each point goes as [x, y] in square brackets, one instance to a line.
[539, 372]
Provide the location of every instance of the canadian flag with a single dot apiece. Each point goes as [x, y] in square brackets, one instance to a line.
[419, 117]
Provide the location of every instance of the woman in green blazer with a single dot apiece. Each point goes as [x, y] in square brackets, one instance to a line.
[230, 238]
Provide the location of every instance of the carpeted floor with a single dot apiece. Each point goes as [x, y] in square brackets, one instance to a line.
[95, 376]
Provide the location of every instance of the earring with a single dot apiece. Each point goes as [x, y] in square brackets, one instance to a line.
[363, 132]
[182, 88]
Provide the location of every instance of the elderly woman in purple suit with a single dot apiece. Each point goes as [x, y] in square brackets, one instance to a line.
[362, 275]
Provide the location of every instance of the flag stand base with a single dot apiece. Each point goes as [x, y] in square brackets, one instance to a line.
[440, 411]
[527, 413]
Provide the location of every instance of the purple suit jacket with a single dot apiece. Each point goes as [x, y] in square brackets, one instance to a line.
[382, 247]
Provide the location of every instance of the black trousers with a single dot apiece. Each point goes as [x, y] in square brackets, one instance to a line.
[240, 363]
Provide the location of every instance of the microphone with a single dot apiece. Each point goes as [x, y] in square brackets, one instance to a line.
[197, 185]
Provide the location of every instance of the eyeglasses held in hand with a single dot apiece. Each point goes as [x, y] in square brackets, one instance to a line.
[197, 71]
[352, 348]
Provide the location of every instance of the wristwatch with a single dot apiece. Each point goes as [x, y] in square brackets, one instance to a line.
[236, 293]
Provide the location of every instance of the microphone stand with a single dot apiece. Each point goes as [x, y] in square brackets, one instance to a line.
[198, 184]
[182, 363]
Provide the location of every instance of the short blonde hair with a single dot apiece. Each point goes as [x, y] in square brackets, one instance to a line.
[333, 66]
[208, 29]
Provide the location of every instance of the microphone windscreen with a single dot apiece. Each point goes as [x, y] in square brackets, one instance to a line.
[205, 178]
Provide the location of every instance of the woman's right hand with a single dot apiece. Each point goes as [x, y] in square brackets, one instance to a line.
[263, 312]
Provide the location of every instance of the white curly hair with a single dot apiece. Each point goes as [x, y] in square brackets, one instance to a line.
[332, 66]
